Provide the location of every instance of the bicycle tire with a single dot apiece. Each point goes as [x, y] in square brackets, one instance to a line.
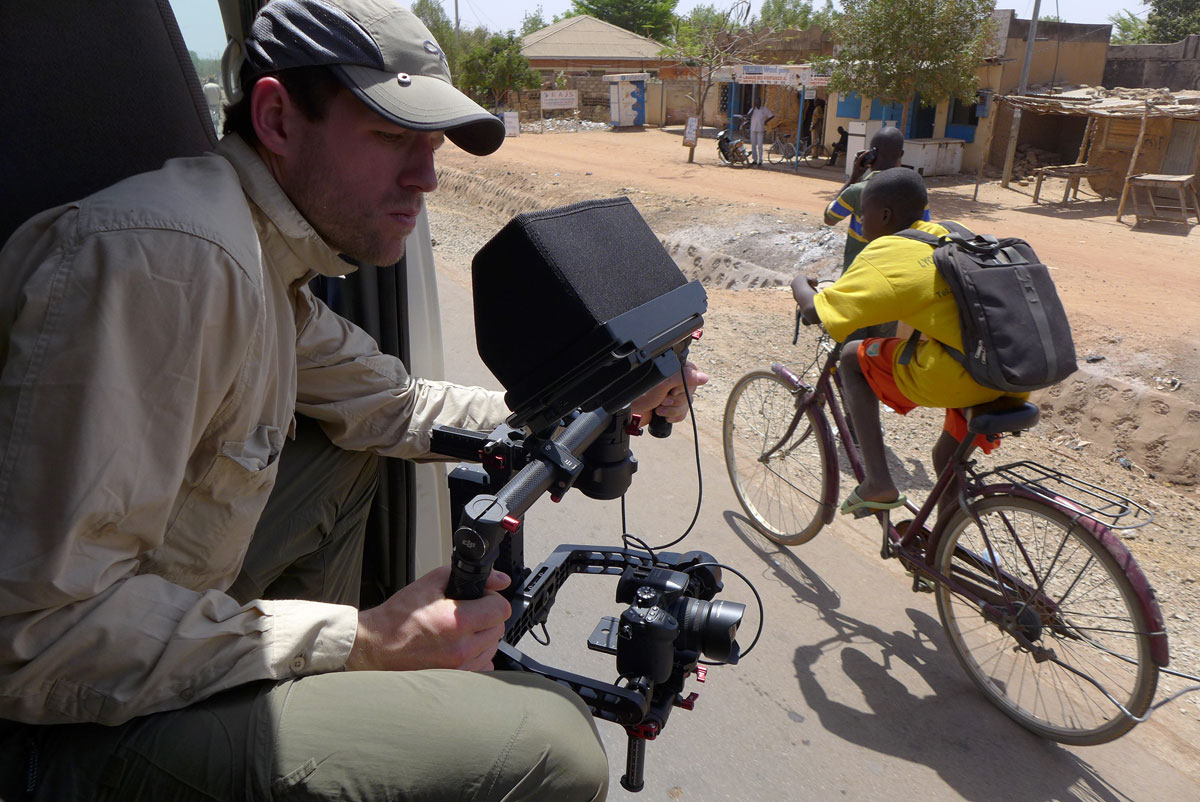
[783, 496]
[775, 152]
[1088, 613]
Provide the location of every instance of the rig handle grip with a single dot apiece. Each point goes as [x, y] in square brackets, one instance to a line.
[659, 426]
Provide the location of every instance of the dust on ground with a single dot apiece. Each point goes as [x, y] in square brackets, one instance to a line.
[1129, 420]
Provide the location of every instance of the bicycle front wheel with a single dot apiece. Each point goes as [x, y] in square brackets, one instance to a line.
[1052, 585]
[775, 152]
[780, 485]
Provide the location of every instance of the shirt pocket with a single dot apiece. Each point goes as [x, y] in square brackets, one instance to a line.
[205, 544]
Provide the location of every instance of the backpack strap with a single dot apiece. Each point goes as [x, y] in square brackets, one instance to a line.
[959, 233]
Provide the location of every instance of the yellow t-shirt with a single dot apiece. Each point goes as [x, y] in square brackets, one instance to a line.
[894, 278]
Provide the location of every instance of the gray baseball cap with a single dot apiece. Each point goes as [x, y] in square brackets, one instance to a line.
[383, 53]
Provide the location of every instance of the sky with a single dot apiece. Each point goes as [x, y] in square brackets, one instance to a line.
[201, 21]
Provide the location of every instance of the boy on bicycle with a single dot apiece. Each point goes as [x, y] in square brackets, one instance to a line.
[894, 278]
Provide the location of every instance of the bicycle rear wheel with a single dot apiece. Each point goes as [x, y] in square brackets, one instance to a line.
[781, 491]
[776, 151]
[1056, 585]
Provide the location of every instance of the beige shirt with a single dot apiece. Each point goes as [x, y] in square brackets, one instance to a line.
[156, 340]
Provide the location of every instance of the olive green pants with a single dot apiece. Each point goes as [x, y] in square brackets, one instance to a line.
[414, 735]
[419, 735]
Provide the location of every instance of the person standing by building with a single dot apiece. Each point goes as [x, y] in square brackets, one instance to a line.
[759, 115]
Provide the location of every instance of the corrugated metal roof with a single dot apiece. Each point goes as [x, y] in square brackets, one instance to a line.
[584, 37]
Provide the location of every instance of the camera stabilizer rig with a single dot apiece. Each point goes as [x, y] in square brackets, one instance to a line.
[671, 619]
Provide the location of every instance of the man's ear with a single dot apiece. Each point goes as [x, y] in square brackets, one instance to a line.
[271, 113]
[886, 217]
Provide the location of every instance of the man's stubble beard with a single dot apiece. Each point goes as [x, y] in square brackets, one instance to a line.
[337, 215]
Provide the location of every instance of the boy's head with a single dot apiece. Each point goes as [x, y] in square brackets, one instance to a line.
[889, 147]
[892, 201]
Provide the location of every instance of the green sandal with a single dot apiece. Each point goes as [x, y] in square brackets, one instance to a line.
[859, 507]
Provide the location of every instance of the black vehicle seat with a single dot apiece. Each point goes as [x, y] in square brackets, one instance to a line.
[91, 95]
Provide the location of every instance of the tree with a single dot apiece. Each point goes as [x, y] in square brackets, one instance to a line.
[434, 16]
[827, 16]
[891, 50]
[533, 21]
[707, 40]
[653, 18]
[208, 69]
[496, 66]
[1172, 20]
[784, 14]
[1128, 29]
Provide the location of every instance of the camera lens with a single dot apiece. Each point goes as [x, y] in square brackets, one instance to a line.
[709, 627]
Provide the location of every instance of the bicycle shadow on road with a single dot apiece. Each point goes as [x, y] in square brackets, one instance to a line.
[946, 726]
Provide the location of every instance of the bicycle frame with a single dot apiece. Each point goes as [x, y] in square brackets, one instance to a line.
[914, 554]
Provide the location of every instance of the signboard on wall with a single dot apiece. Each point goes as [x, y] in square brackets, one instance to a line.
[776, 74]
[691, 131]
[560, 99]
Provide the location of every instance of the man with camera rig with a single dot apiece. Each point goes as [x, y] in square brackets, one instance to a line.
[177, 600]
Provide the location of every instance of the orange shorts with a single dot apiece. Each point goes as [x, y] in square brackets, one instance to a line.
[876, 358]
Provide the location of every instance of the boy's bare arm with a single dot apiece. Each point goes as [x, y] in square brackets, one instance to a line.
[804, 288]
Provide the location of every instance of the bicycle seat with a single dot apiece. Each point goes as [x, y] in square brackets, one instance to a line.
[1002, 415]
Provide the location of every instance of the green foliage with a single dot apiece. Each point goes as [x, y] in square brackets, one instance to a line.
[533, 21]
[1128, 29]
[893, 49]
[209, 69]
[441, 26]
[653, 18]
[1172, 20]
[783, 14]
[1050, 18]
[827, 17]
[496, 66]
[705, 40]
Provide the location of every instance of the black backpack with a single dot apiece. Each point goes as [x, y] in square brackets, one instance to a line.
[1015, 333]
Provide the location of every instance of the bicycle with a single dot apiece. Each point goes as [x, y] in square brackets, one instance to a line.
[782, 149]
[1044, 607]
[810, 151]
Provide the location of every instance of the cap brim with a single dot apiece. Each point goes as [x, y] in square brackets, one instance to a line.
[426, 104]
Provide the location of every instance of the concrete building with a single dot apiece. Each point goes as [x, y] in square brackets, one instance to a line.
[1065, 55]
[585, 46]
[1174, 66]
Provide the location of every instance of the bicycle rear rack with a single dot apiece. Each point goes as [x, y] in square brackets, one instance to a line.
[1105, 506]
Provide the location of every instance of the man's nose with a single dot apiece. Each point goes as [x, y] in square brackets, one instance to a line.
[418, 171]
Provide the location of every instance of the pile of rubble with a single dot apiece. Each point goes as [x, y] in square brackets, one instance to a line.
[1028, 159]
[559, 125]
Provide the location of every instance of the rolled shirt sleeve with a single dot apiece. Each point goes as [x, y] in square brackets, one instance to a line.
[366, 400]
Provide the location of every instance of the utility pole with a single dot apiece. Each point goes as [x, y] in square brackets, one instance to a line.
[1016, 120]
[457, 45]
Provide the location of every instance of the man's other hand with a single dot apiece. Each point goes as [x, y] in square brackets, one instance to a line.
[418, 627]
[668, 399]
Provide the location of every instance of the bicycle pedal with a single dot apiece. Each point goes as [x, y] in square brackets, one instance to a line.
[921, 584]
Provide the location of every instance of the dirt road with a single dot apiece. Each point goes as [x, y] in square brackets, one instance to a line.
[1133, 302]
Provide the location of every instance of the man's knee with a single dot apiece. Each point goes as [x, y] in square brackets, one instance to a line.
[558, 747]
[849, 360]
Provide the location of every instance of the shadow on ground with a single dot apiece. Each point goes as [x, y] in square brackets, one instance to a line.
[974, 749]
